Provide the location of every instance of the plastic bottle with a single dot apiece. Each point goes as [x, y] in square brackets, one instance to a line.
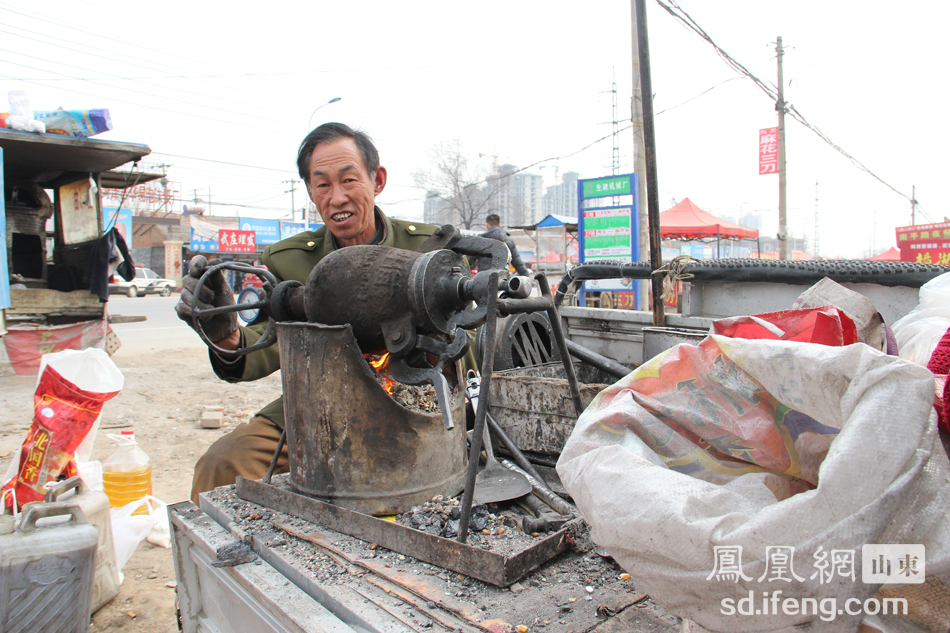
[127, 473]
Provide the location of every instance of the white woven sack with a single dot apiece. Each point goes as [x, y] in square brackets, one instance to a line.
[881, 482]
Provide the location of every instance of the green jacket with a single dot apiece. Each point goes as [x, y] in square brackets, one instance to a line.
[293, 259]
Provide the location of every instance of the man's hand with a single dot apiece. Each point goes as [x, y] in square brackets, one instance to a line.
[221, 329]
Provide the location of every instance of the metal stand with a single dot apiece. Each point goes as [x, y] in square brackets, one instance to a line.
[494, 307]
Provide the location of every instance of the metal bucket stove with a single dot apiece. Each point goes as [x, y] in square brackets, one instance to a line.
[354, 452]
[349, 442]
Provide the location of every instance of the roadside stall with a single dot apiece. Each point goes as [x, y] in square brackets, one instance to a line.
[687, 222]
[556, 239]
[52, 218]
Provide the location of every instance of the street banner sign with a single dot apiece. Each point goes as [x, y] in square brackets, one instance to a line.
[234, 241]
[924, 243]
[768, 151]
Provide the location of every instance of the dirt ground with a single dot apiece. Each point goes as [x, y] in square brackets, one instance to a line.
[163, 395]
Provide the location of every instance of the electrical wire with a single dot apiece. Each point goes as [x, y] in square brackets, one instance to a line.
[677, 12]
[696, 97]
[221, 162]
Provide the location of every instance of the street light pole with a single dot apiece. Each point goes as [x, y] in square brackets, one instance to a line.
[310, 121]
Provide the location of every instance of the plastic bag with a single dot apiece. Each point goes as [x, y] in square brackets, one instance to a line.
[81, 123]
[666, 493]
[21, 114]
[826, 325]
[919, 332]
[64, 417]
[129, 529]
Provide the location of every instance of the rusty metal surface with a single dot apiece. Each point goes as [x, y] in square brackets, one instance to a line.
[376, 590]
[364, 286]
[533, 404]
[348, 441]
[522, 340]
[489, 567]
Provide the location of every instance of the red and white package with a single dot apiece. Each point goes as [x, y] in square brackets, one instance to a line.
[63, 416]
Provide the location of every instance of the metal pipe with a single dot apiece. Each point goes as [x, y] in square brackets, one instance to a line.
[558, 331]
[273, 461]
[512, 448]
[519, 306]
[488, 363]
[606, 365]
[542, 491]
[649, 142]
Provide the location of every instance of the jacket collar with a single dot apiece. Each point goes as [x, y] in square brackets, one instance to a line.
[330, 245]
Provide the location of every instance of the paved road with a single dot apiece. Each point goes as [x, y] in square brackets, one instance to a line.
[162, 329]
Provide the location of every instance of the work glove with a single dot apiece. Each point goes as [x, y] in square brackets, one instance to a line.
[214, 294]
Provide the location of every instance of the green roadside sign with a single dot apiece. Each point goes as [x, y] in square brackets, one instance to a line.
[610, 186]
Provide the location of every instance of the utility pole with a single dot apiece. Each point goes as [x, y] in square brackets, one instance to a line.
[615, 167]
[913, 205]
[293, 188]
[639, 158]
[649, 148]
[780, 106]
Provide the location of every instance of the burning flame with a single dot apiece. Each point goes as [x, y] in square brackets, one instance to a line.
[380, 365]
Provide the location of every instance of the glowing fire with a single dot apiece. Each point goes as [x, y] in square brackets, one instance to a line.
[381, 365]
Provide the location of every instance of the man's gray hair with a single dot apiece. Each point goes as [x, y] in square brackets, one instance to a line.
[328, 133]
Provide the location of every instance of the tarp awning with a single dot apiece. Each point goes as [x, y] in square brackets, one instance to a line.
[890, 255]
[568, 221]
[686, 221]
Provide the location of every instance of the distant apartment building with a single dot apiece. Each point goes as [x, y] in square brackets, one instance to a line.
[518, 200]
[751, 221]
[436, 210]
[561, 199]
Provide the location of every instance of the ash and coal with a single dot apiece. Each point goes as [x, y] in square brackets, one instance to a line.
[491, 527]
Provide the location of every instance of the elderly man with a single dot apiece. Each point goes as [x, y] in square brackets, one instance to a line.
[341, 169]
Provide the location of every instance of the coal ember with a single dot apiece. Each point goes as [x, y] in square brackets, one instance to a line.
[419, 398]
[416, 397]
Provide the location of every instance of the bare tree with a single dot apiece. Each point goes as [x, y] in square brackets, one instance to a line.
[466, 191]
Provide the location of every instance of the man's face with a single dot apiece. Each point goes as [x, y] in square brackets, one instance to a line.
[344, 192]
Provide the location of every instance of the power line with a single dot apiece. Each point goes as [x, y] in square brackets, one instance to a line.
[677, 12]
[152, 107]
[221, 162]
[696, 97]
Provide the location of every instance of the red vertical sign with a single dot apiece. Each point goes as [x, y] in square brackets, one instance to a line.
[768, 151]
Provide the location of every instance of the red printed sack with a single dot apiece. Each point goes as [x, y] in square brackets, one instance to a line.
[63, 415]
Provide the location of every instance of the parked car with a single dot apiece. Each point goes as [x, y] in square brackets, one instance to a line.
[146, 281]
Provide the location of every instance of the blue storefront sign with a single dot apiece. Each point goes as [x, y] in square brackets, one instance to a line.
[289, 229]
[202, 244]
[267, 231]
[123, 222]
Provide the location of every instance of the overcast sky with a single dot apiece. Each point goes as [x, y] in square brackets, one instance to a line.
[204, 86]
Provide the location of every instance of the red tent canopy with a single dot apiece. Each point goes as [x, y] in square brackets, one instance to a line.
[890, 255]
[687, 221]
